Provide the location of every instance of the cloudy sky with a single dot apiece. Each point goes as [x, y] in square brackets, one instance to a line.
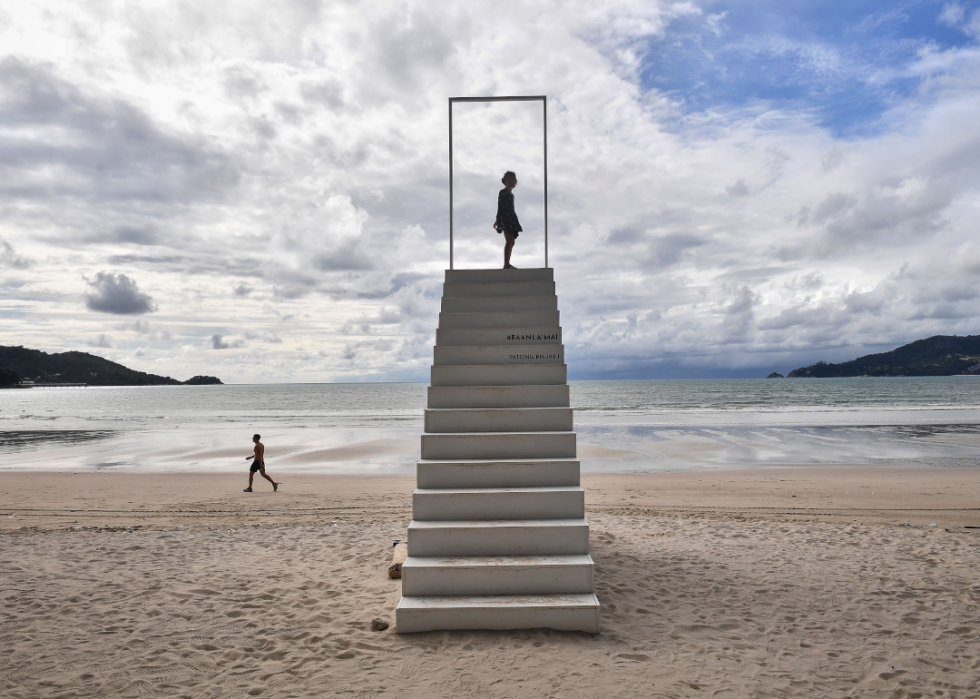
[259, 190]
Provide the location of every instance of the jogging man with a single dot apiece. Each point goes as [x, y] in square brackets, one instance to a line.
[258, 464]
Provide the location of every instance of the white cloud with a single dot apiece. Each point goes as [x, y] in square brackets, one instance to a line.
[952, 14]
[279, 181]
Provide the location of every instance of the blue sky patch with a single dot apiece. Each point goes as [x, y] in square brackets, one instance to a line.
[844, 62]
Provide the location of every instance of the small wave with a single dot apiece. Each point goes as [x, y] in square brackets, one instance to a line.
[23, 440]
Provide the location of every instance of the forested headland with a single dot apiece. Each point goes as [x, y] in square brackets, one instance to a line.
[24, 364]
[941, 355]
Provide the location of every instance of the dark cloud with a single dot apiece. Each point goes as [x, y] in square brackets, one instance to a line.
[871, 301]
[9, 258]
[243, 289]
[790, 317]
[883, 214]
[754, 274]
[102, 340]
[290, 113]
[346, 258]
[833, 205]
[413, 51]
[143, 327]
[132, 234]
[742, 302]
[290, 292]
[667, 250]
[271, 338]
[386, 316]
[808, 282]
[117, 293]
[209, 264]
[242, 82]
[739, 189]
[401, 280]
[61, 141]
[218, 343]
[831, 160]
[149, 259]
[264, 129]
[626, 236]
[327, 93]
[739, 315]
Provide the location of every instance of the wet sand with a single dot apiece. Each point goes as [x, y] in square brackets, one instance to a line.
[713, 583]
[52, 500]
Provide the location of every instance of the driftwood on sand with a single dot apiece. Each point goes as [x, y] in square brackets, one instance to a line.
[399, 556]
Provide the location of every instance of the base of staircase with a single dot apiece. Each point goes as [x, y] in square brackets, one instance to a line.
[504, 612]
[497, 575]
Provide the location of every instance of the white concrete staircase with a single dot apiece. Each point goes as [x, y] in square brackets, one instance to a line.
[498, 538]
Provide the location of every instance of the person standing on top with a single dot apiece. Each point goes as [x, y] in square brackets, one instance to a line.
[506, 221]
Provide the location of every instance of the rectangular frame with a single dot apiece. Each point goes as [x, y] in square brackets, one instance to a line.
[514, 98]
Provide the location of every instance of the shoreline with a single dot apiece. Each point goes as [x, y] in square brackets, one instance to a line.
[603, 447]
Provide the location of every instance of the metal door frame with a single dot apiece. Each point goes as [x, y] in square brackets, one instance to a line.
[543, 99]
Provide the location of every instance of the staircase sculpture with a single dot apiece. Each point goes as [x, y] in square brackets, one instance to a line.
[498, 538]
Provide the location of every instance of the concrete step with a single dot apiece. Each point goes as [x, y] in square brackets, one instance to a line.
[498, 396]
[499, 375]
[500, 613]
[444, 420]
[540, 537]
[498, 288]
[472, 304]
[567, 502]
[502, 473]
[499, 319]
[497, 575]
[498, 354]
[499, 336]
[484, 276]
[499, 445]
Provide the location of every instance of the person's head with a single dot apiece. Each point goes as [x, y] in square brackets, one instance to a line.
[256, 437]
[509, 179]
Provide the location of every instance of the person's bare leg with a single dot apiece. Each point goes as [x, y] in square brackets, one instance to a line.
[251, 475]
[507, 249]
[275, 486]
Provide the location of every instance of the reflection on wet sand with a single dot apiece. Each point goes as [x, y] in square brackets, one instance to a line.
[655, 448]
[21, 440]
[395, 449]
[352, 452]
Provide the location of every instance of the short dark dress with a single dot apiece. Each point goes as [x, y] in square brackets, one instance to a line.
[506, 216]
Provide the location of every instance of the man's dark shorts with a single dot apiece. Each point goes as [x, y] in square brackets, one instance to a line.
[256, 465]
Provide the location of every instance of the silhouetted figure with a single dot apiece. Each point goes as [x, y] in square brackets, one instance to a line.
[258, 464]
[506, 221]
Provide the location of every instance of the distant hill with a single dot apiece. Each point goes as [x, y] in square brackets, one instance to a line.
[8, 378]
[203, 381]
[942, 355]
[81, 367]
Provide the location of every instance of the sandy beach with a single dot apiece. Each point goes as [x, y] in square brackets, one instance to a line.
[765, 583]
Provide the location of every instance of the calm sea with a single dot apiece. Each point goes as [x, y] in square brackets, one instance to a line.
[374, 428]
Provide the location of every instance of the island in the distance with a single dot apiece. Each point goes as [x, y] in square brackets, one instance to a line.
[22, 363]
[941, 355]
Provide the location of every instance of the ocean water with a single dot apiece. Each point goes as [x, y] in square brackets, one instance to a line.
[375, 428]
